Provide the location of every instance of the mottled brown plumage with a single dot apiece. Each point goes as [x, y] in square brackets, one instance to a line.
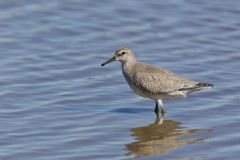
[156, 79]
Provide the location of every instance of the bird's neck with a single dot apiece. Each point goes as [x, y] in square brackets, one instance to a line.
[128, 66]
[128, 63]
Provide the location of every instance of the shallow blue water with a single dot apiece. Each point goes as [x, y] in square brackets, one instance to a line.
[56, 102]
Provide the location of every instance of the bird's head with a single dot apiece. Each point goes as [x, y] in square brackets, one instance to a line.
[122, 54]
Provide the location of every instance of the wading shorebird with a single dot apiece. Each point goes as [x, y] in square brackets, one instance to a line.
[152, 82]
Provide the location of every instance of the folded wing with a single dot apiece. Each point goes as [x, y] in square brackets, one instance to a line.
[159, 80]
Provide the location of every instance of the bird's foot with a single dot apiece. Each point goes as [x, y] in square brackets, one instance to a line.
[159, 121]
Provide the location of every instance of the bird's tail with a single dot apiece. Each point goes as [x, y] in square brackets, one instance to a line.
[204, 85]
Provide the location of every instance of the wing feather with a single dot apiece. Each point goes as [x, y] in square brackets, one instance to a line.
[157, 80]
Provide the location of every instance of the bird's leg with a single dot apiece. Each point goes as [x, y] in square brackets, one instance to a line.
[156, 110]
[163, 111]
[159, 120]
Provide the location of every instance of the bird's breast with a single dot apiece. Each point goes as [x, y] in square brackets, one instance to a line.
[134, 85]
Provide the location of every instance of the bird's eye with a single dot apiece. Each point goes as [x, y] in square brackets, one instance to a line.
[123, 53]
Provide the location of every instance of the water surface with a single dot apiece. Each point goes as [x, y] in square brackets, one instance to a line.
[56, 102]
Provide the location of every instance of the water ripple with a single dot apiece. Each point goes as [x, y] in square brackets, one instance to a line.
[58, 103]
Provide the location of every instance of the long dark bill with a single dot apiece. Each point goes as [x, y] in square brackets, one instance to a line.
[109, 61]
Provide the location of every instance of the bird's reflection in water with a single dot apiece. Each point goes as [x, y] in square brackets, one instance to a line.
[158, 139]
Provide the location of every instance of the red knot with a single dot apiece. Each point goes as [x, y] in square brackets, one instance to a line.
[153, 82]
